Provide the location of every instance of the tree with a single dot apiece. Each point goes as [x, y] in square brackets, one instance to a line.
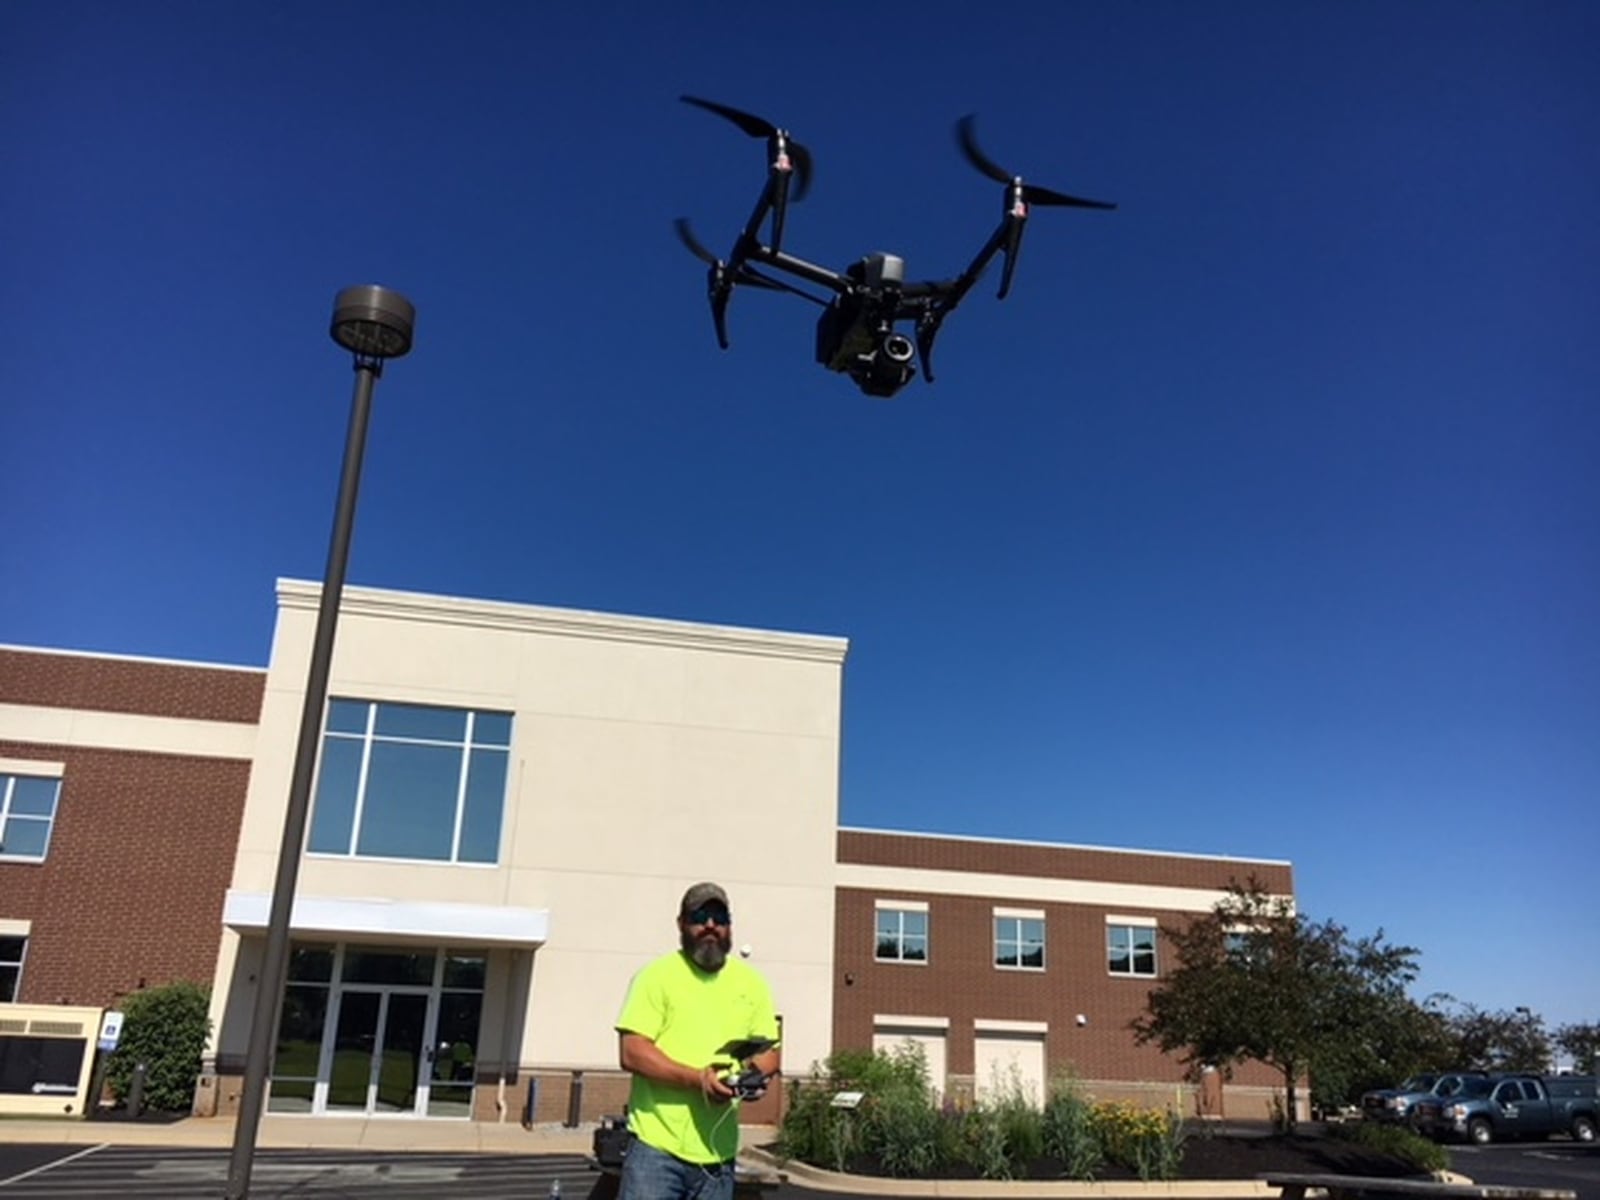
[1499, 1041]
[1582, 1041]
[1256, 981]
[1403, 1039]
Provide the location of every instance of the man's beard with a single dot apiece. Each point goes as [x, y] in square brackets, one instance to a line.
[708, 952]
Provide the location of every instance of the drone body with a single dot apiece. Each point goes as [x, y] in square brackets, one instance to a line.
[856, 333]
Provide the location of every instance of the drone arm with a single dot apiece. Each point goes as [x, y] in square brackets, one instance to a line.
[931, 303]
[808, 271]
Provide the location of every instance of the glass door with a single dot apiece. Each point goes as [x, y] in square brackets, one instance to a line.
[375, 1061]
[379, 1031]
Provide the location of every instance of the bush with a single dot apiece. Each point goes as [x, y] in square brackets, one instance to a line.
[1396, 1140]
[1148, 1142]
[165, 1028]
[895, 1120]
[1067, 1126]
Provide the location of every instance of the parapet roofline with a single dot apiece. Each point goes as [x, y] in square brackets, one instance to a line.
[566, 622]
[997, 841]
[133, 658]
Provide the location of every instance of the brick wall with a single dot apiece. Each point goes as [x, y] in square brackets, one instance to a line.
[130, 893]
[153, 689]
[960, 981]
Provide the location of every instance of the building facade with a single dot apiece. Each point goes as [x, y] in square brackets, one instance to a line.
[1012, 964]
[122, 784]
[509, 801]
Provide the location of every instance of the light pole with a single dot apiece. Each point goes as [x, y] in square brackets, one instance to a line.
[374, 324]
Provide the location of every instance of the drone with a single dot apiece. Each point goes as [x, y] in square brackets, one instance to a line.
[856, 333]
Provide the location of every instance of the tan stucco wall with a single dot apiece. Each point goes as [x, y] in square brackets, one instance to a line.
[645, 755]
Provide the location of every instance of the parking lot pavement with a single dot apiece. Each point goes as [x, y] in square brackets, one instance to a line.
[1552, 1164]
[99, 1172]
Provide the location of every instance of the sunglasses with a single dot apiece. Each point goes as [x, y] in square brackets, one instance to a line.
[710, 916]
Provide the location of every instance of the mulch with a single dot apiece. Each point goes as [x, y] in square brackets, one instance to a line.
[1223, 1156]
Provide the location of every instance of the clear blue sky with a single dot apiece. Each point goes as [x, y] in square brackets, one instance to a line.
[1262, 519]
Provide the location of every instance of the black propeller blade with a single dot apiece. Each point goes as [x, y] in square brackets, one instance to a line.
[760, 127]
[755, 126]
[695, 246]
[966, 134]
[744, 274]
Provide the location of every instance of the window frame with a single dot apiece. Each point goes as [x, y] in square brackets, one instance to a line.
[11, 771]
[901, 909]
[369, 737]
[20, 964]
[1127, 926]
[1016, 917]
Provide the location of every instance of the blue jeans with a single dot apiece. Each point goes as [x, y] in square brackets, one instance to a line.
[651, 1174]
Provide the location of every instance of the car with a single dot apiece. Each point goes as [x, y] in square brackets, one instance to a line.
[1399, 1104]
[1513, 1106]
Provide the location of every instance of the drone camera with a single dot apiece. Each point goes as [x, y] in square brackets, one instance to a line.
[897, 348]
[887, 368]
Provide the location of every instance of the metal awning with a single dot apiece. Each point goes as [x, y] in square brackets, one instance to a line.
[346, 917]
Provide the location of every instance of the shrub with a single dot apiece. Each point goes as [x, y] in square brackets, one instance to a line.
[1067, 1126]
[1148, 1142]
[895, 1120]
[165, 1028]
[1396, 1140]
[907, 1135]
[983, 1143]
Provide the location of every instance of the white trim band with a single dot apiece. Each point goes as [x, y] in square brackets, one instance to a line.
[982, 1025]
[342, 916]
[881, 1021]
[1039, 889]
[36, 767]
[82, 727]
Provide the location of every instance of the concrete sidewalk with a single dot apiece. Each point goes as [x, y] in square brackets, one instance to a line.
[321, 1133]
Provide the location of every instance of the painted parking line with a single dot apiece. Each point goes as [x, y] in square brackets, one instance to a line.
[170, 1174]
[50, 1166]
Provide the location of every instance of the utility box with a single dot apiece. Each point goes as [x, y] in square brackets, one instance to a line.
[46, 1058]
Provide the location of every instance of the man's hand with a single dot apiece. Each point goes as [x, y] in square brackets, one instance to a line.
[712, 1087]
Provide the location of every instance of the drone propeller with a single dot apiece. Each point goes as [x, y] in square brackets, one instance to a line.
[760, 127]
[1019, 197]
[1032, 193]
[720, 280]
[695, 246]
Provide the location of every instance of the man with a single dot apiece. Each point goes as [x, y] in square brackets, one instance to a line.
[682, 1010]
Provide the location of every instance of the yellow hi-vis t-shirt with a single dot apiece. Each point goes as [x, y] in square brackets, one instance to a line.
[690, 1014]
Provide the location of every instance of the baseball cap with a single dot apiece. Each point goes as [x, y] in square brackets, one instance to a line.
[701, 894]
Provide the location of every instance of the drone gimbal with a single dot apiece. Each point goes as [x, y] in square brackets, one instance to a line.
[856, 332]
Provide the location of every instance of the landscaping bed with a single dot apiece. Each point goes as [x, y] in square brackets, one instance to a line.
[1204, 1155]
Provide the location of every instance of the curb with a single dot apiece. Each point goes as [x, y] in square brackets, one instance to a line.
[1182, 1189]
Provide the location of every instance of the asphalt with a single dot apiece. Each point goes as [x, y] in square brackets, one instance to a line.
[468, 1137]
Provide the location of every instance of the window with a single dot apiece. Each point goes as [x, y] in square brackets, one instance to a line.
[1019, 942]
[902, 935]
[12, 951]
[27, 811]
[411, 782]
[1131, 949]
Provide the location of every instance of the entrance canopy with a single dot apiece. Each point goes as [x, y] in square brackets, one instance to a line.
[482, 924]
